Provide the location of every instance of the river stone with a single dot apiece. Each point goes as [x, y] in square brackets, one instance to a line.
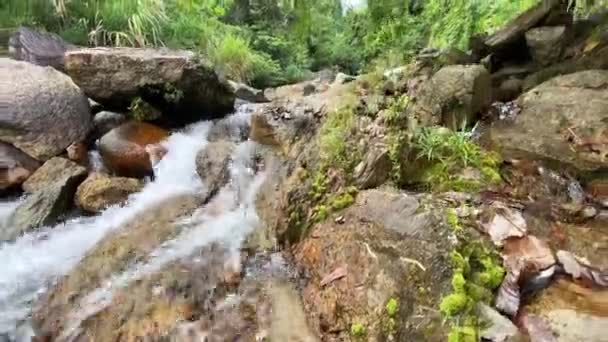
[40, 48]
[42, 208]
[105, 121]
[100, 191]
[51, 171]
[45, 111]
[15, 166]
[123, 149]
[546, 43]
[562, 121]
[454, 96]
[247, 93]
[212, 164]
[179, 83]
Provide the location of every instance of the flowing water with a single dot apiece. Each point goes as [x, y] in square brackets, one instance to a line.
[34, 260]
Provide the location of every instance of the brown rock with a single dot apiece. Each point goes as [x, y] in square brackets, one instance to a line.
[43, 111]
[390, 248]
[124, 148]
[51, 171]
[100, 191]
[15, 166]
[177, 83]
[261, 131]
[78, 153]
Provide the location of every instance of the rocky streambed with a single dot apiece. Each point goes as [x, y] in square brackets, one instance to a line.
[340, 209]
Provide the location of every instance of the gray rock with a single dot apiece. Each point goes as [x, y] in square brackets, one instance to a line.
[178, 83]
[455, 95]
[499, 328]
[374, 169]
[42, 208]
[342, 78]
[45, 111]
[509, 90]
[247, 93]
[40, 48]
[106, 121]
[212, 165]
[561, 121]
[546, 43]
[54, 169]
[516, 29]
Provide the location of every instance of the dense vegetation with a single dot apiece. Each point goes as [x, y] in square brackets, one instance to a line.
[268, 42]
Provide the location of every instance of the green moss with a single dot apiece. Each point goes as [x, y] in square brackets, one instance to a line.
[172, 94]
[476, 272]
[454, 304]
[141, 110]
[320, 213]
[358, 330]
[392, 306]
[463, 334]
[453, 220]
[343, 200]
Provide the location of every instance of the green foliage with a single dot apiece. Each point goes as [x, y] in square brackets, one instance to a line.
[336, 147]
[269, 42]
[447, 153]
[358, 330]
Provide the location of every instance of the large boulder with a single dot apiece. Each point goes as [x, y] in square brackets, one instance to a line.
[178, 83]
[40, 48]
[546, 43]
[100, 191]
[385, 248]
[15, 166]
[44, 110]
[124, 148]
[563, 121]
[212, 164]
[54, 169]
[455, 95]
[42, 208]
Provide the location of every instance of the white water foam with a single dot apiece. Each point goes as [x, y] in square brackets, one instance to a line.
[227, 219]
[35, 259]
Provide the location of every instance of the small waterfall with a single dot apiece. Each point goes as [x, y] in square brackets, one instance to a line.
[34, 260]
[227, 219]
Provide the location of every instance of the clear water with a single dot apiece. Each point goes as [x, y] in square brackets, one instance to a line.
[34, 260]
[227, 219]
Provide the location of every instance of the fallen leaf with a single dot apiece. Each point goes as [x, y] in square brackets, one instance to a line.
[524, 259]
[503, 223]
[581, 269]
[338, 273]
